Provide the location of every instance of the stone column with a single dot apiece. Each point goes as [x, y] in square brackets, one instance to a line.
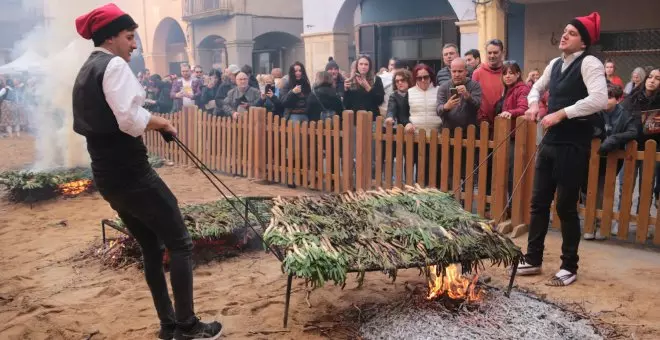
[491, 19]
[469, 35]
[239, 52]
[156, 63]
[320, 46]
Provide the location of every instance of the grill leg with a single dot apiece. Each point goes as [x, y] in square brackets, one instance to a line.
[286, 302]
[513, 277]
[247, 222]
[103, 231]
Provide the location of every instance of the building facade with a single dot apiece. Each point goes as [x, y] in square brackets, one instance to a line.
[411, 30]
[261, 33]
[630, 33]
[415, 30]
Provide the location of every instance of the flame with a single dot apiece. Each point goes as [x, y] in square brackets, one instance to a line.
[75, 188]
[454, 285]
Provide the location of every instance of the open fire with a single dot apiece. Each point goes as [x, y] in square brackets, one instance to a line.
[453, 285]
[75, 188]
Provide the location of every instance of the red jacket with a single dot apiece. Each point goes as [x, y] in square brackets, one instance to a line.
[492, 88]
[515, 102]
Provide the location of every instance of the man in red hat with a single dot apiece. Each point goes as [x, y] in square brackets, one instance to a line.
[107, 110]
[578, 89]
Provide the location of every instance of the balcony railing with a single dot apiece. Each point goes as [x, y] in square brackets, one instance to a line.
[203, 9]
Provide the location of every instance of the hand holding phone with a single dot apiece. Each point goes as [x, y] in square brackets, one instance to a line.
[269, 87]
[453, 91]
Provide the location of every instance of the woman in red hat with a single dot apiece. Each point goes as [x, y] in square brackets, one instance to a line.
[107, 110]
[578, 89]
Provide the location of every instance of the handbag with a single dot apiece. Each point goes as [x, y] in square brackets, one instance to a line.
[325, 113]
[651, 122]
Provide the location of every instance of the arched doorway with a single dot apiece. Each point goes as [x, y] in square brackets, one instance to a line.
[137, 57]
[392, 28]
[212, 52]
[275, 49]
[169, 46]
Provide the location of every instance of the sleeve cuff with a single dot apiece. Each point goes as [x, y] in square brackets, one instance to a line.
[140, 123]
[570, 112]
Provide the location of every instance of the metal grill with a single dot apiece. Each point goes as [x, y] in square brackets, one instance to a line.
[630, 50]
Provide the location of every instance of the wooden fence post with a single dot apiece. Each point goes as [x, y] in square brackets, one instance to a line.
[592, 187]
[190, 143]
[348, 143]
[484, 150]
[629, 164]
[500, 176]
[264, 144]
[528, 186]
[646, 191]
[252, 139]
[257, 153]
[520, 159]
[362, 150]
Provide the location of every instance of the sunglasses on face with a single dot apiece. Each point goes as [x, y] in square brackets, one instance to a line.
[400, 81]
[423, 77]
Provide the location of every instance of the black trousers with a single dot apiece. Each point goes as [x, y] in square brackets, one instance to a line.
[559, 168]
[151, 213]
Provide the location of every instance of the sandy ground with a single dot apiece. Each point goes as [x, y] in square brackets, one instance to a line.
[48, 292]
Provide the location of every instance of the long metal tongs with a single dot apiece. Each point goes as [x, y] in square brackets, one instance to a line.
[208, 173]
[490, 155]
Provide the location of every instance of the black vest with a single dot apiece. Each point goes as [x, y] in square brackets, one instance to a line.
[118, 159]
[566, 88]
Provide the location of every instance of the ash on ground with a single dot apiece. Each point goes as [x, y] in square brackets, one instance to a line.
[498, 317]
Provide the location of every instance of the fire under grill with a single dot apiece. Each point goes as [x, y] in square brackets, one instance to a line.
[520, 316]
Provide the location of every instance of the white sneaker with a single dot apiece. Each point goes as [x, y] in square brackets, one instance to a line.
[594, 236]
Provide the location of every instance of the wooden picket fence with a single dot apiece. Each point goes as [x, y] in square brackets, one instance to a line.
[350, 153]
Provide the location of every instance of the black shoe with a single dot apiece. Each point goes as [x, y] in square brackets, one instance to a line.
[166, 332]
[200, 331]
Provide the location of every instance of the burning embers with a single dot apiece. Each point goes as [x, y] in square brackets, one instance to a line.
[75, 188]
[453, 285]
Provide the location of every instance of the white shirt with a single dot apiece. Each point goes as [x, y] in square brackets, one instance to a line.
[388, 86]
[186, 87]
[125, 96]
[593, 75]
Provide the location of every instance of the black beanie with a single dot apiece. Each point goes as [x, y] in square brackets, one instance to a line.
[331, 64]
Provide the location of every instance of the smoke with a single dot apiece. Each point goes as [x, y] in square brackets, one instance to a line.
[65, 52]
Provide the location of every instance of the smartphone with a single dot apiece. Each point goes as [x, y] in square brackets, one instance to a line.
[269, 87]
[453, 91]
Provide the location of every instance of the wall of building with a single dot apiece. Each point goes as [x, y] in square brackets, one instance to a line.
[292, 26]
[515, 39]
[274, 8]
[396, 10]
[544, 23]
